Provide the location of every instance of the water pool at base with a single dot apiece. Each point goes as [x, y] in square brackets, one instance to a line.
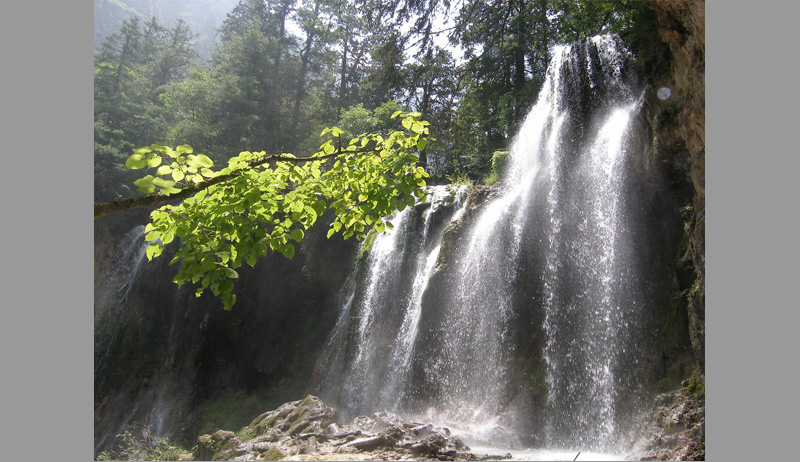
[545, 454]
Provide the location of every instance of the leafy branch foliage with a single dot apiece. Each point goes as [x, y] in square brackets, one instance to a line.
[259, 204]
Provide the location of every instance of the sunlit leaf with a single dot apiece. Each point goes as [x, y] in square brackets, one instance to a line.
[204, 161]
[145, 185]
[153, 160]
[136, 161]
[153, 250]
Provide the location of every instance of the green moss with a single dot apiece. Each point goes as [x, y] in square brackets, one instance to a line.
[665, 116]
[246, 434]
[695, 386]
[228, 410]
[500, 161]
[272, 454]
[459, 178]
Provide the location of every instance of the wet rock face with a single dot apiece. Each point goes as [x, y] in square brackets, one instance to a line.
[163, 356]
[681, 25]
[308, 430]
[676, 430]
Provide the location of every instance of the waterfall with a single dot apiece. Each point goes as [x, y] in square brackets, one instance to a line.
[368, 358]
[562, 242]
[591, 301]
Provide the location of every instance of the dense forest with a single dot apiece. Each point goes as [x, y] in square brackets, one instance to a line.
[282, 70]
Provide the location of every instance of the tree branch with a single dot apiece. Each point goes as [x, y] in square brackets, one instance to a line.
[155, 200]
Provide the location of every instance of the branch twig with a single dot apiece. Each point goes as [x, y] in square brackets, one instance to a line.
[155, 200]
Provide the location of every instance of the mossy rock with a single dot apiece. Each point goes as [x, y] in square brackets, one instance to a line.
[222, 445]
[309, 415]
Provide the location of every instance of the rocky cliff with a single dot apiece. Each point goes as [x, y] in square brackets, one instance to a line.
[182, 365]
[675, 108]
[681, 133]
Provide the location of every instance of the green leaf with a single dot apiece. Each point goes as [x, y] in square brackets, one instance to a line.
[153, 160]
[162, 183]
[228, 301]
[193, 162]
[145, 184]
[207, 264]
[251, 259]
[205, 161]
[422, 143]
[177, 175]
[136, 161]
[163, 170]
[297, 235]
[183, 149]
[226, 286]
[168, 237]
[287, 251]
[153, 250]
[169, 190]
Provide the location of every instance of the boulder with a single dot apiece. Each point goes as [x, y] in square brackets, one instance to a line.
[222, 445]
[309, 415]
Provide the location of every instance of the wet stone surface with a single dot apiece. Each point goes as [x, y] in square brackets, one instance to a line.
[308, 430]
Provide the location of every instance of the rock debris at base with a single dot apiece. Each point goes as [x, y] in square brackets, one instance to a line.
[308, 430]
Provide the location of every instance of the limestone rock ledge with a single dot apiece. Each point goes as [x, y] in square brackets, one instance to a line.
[308, 430]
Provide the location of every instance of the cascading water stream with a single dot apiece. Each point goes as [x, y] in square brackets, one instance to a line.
[403, 349]
[374, 338]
